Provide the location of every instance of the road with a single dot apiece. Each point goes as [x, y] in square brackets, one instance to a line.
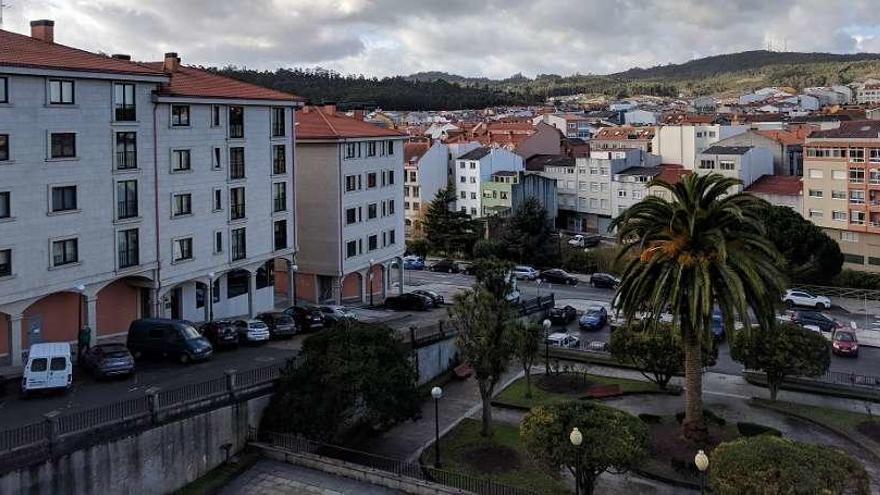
[582, 296]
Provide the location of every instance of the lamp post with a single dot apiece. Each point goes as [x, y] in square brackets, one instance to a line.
[293, 269]
[370, 280]
[210, 301]
[576, 439]
[81, 289]
[436, 393]
[547, 325]
[702, 462]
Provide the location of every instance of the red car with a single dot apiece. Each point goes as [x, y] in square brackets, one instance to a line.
[844, 343]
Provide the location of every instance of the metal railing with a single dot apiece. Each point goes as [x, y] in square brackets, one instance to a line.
[845, 292]
[295, 444]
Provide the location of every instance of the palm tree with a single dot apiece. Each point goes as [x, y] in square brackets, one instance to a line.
[701, 248]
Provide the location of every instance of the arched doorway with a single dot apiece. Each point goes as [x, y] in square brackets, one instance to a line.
[120, 302]
[352, 288]
[56, 317]
[375, 283]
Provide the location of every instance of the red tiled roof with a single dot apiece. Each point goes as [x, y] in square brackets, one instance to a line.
[413, 152]
[18, 50]
[671, 174]
[623, 133]
[315, 123]
[777, 184]
[787, 137]
[199, 83]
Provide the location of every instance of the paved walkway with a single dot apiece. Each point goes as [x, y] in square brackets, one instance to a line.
[268, 477]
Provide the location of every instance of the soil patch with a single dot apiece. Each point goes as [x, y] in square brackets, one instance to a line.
[492, 459]
[870, 429]
[668, 445]
[565, 383]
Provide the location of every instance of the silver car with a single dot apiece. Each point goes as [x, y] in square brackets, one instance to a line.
[252, 331]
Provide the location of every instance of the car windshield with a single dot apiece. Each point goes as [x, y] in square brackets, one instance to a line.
[258, 325]
[282, 319]
[190, 333]
[845, 337]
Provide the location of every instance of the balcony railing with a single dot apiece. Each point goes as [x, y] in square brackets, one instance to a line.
[126, 160]
[279, 204]
[128, 258]
[236, 131]
[125, 113]
[127, 208]
[236, 211]
[236, 170]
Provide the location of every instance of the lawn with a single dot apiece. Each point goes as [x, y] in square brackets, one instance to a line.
[515, 394]
[500, 458]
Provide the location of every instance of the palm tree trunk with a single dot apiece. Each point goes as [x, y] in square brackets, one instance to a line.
[694, 425]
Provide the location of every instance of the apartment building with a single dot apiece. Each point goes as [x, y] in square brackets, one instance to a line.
[426, 168]
[86, 144]
[349, 195]
[571, 125]
[786, 146]
[868, 93]
[744, 163]
[682, 144]
[474, 168]
[629, 186]
[842, 189]
[616, 138]
[780, 190]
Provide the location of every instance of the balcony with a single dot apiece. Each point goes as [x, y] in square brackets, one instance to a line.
[126, 160]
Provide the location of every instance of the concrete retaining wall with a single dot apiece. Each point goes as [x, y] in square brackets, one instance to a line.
[158, 460]
[435, 358]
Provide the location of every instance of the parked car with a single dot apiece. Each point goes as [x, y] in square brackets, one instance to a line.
[252, 331]
[524, 272]
[220, 333]
[167, 338]
[306, 317]
[408, 301]
[413, 263]
[794, 297]
[563, 340]
[582, 241]
[604, 280]
[558, 276]
[467, 267]
[562, 316]
[48, 368]
[718, 326]
[335, 313]
[107, 360]
[824, 322]
[595, 318]
[446, 266]
[436, 299]
[281, 325]
[844, 343]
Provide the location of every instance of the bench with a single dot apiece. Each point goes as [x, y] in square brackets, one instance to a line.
[463, 371]
[604, 391]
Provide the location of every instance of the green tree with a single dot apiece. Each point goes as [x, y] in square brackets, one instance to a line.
[529, 234]
[810, 254]
[527, 344]
[418, 247]
[495, 276]
[701, 248]
[484, 322]
[781, 351]
[447, 229]
[352, 373]
[489, 248]
[653, 348]
[769, 464]
[613, 440]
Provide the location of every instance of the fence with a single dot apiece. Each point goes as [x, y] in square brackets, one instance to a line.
[294, 444]
[862, 294]
[58, 432]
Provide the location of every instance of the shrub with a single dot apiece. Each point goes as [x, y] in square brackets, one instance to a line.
[857, 280]
[650, 418]
[753, 429]
[580, 261]
[768, 464]
[708, 415]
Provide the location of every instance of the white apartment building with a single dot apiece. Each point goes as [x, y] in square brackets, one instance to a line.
[629, 186]
[425, 173]
[746, 163]
[682, 144]
[350, 179]
[477, 166]
[79, 167]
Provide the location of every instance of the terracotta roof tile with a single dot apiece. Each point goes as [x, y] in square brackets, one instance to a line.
[777, 184]
[787, 137]
[18, 50]
[623, 133]
[413, 152]
[314, 123]
[869, 129]
[200, 83]
[671, 174]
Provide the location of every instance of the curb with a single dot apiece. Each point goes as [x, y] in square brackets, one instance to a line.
[663, 479]
[809, 389]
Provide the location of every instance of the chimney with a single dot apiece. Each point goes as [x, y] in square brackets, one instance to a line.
[329, 109]
[43, 30]
[359, 114]
[120, 56]
[172, 62]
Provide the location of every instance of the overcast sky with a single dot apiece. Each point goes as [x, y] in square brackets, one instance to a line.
[494, 38]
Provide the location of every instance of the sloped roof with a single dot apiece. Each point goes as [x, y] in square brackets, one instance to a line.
[18, 50]
[413, 151]
[648, 171]
[475, 154]
[787, 137]
[727, 150]
[786, 185]
[538, 163]
[671, 174]
[866, 129]
[621, 133]
[315, 123]
[200, 83]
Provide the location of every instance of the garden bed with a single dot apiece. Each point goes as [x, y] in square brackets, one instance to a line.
[568, 386]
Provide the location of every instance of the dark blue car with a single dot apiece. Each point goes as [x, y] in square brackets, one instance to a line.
[413, 264]
[718, 326]
[595, 318]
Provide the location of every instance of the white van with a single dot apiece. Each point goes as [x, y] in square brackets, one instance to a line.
[48, 367]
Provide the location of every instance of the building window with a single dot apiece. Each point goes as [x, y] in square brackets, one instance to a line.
[5, 205]
[815, 193]
[5, 262]
[835, 174]
[391, 206]
[816, 173]
[279, 129]
[352, 183]
[63, 145]
[857, 175]
[874, 155]
[415, 206]
[816, 214]
[126, 199]
[392, 237]
[351, 150]
[236, 203]
[371, 148]
[857, 197]
[180, 160]
[4, 90]
[391, 177]
[857, 217]
[65, 252]
[4, 147]
[621, 193]
[726, 165]
[124, 102]
[279, 159]
[237, 283]
[183, 249]
[372, 211]
[218, 242]
[838, 216]
[390, 147]
[216, 160]
[857, 155]
[462, 179]
[215, 115]
[128, 248]
[217, 200]
[847, 236]
[350, 249]
[838, 194]
[236, 163]
[854, 259]
[179, 115]
[372, 243]
[371, 180]
[473, 195]
[181, 205]
[351, 216]
[63, 198]
[462, 194]
[126, 150]
[236, 122]
[61, 92]
[280, 234]
[707, 164]
[239, 244]
[279, 197]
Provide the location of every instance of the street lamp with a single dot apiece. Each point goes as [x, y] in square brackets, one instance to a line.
[370, 279]
[547, 325]
[576, 439]
[436, 393]
[294, 269]
[210, 301]
[81, 289]
[702, 462]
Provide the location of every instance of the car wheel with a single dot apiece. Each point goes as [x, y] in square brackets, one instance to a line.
[137, 355]
[592, 284]
[184, 358]
[820, 306]
[449, 271]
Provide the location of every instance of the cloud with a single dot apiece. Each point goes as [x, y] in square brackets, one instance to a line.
[494, 38]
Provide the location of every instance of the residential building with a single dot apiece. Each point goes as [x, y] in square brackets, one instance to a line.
[638, 116]
[868, 93]
[616, 138]
[682, 144]
[571, 125]
[785, 145]
[349, 193]
[745, 163]
[629, 186]
[477, 166]
[425, 173]
[780, 190]
[546, 140]
[497, 193]
[842, 189]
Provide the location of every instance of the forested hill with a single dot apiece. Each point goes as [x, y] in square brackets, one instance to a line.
[728, 74]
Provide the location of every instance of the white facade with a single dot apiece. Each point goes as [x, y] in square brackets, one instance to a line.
[747, 164]
[629, 187]
[477, 166]
[638, 116]
[682, 144]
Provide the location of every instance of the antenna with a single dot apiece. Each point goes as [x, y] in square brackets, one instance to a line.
[3, 6]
